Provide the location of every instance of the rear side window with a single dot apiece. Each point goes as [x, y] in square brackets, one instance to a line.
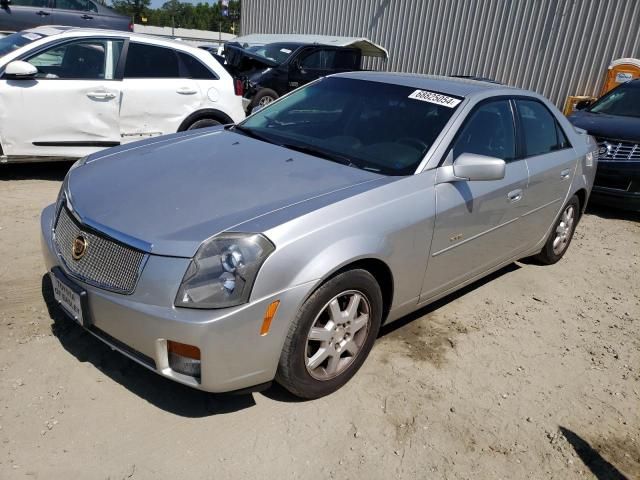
[30, 3]
[489, 131]
[194, 68]
[149, 61]
[346, 59]
[540, 129]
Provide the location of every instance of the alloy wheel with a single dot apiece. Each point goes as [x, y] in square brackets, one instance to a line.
[337, 335]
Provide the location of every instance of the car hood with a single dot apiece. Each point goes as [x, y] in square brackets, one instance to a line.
[169, 195]
[607, 126]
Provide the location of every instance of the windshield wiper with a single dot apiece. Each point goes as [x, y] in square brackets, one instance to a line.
[318, 152]
[249, 132]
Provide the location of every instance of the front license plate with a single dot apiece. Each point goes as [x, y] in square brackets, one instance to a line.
[69, 300]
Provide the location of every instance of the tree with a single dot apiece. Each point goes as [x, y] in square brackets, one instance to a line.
[136, 9]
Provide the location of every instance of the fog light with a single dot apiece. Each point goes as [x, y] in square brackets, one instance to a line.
[184, 358]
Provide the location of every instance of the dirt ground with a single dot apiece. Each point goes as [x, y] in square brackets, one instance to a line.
[531, 373]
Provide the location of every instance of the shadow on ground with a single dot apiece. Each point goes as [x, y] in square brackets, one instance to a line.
[601, 469]
[179, 399]
[165, 394]
[612, 213]
[35, 171]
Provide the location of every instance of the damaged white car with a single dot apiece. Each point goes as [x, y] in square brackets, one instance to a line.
[68, 92]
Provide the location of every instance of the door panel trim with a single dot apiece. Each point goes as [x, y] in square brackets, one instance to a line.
[541, 207]
[478, 235]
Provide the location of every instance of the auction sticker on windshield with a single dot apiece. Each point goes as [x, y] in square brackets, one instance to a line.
[437, 98]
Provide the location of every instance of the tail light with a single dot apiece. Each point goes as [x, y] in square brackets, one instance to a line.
[131, 26]
[238, 86]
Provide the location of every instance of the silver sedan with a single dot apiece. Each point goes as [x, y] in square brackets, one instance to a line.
[275, 249]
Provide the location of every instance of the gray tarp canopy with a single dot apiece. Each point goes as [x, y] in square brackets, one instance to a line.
[366, 46]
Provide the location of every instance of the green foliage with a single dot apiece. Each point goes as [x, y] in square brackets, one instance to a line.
[201, 16]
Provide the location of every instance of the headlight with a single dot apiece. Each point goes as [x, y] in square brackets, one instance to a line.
[223, 271]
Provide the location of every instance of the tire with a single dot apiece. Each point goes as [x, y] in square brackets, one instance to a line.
[562, 233]
[262, 98]
[312, 368]
[203, 123]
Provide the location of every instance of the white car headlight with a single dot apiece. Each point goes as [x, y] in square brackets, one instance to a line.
[223, 270]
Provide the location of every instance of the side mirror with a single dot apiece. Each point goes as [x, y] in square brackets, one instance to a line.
[469, 166]
[582, 104]
[19, 70]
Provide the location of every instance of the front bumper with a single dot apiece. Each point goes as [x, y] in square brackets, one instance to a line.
[617, 184]
[234, 355]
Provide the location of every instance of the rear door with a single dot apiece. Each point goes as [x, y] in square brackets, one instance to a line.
[155, 98]
[76, 13]
[23, 14]
[551, 162]
[477, 226]
[71, 108]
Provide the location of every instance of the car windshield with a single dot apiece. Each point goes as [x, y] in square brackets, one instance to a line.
[371, 125]
[624, 101]
[276, 52]
[16, 40]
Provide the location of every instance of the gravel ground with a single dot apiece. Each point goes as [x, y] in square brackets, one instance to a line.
[533, 372]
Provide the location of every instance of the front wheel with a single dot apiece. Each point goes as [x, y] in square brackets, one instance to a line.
[203, 123]
[562, 233]
[332, 335]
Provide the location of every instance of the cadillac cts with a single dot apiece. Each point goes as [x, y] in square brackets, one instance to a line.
[227, 258]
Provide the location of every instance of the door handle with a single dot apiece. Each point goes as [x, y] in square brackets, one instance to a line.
[86, 17]
[186, 91]
[101, 95]
[515, 195]
[564, 174]
[42, 13]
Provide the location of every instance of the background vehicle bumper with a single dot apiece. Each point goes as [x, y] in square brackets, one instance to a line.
[617, 184]
[233, 353]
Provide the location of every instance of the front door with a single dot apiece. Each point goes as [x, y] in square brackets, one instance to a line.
[71, 108]
[155, 99]
[311, 65]
[476, 226]
[23, 14]
[551, 162]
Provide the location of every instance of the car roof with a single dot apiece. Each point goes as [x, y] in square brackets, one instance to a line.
[461, 87]
[63, 31]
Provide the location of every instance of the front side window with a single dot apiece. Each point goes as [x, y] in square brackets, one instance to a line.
[540, 129]
[149, 61]
[375, 126]
[82, 59]
[624, 101]
[489, 131]
[319, 60]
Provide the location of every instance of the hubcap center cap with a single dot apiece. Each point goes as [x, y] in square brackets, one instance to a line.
[339, 335]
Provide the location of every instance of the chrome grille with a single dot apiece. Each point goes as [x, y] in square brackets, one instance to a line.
[106, 264]
[614, 150]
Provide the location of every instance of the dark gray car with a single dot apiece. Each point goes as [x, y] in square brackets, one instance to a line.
[16, 15]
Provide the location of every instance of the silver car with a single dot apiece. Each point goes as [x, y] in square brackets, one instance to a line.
[229, 257]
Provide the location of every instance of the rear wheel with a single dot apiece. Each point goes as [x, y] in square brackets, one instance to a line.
[332, 335]
[263, 98]
[562, 233]
[203, 123]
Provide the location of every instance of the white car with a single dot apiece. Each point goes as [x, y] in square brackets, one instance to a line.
[68, 92]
